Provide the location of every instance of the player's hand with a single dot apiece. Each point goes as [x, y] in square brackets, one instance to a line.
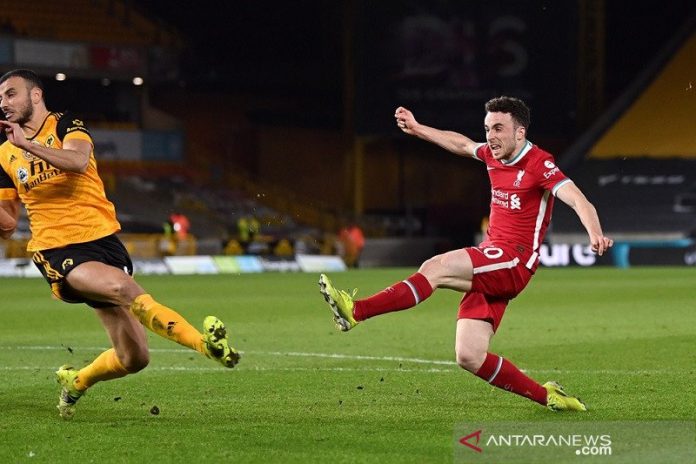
[600, 244]
[14, 133]
[405, 120]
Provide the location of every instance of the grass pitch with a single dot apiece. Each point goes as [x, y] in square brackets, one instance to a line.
[388, 391]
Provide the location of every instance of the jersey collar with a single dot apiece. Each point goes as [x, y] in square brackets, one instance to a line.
[527, 146]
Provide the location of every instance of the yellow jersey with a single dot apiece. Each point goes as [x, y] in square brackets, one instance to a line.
[63, 207]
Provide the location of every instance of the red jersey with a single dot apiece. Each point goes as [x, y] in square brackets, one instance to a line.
[522, 194]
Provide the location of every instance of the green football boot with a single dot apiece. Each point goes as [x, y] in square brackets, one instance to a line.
[217, 346]
[340, 302]
[558, 400]
[65, 375]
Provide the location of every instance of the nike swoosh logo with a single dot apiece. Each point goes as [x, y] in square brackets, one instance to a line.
[488, 168]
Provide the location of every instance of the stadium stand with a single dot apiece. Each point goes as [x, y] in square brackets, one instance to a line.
[641, 170]
[96, 21]
[144, 206]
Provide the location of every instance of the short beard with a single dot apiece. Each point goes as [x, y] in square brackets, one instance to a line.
[25, 114]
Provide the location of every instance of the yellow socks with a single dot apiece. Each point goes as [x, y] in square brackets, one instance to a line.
[105, 367]
[166, 322]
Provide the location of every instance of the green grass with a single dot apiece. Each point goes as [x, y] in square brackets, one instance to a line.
[622, 339]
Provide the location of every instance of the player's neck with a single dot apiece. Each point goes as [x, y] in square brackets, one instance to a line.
[519, 146]
[31, 127]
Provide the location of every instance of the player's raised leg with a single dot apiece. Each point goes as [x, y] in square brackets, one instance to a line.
[349, 312]
[167, 323]
[101, 282]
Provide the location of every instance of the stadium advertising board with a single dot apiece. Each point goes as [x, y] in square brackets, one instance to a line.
[149, 267]
[320, 263]
[238, 264]
[191, 264]
[563, 254]
[18, 267]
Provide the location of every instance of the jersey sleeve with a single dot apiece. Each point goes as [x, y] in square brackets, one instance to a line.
[482, 152]
[72, 127]
[549, 175]
[7, 187]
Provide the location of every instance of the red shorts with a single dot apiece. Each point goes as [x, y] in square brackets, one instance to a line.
[499, 276]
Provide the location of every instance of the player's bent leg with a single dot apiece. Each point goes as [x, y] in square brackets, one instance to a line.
[558, 400]
[472, 341]
[100, 282]
[473, 338]
[130, 351]
[103, 282]
[129, 355]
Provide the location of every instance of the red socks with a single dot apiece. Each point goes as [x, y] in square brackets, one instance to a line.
[402, 295]
[503, 374]
[494, 370]
[408, 293]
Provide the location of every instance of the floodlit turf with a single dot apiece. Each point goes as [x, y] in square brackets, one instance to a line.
[388, 391]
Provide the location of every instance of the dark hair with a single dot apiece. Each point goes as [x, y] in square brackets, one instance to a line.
[26, 74]
[516, 107]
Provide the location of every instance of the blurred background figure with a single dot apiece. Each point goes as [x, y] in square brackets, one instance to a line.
[248, 229]
[352, 240]
[180, 225]
[167, 244]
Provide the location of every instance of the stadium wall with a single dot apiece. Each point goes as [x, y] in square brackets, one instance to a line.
[189, 265]
[391, 253]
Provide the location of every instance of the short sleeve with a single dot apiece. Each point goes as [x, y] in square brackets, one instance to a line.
[550, 176]
[71, 126]
[480, 152]
[7, 187]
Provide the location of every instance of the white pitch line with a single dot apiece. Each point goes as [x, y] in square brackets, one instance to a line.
[354, 357]
[302, 354]
[353, 369]
[254, 368]
[263, 353]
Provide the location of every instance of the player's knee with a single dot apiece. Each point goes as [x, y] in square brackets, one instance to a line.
[428, 263]
[125, 290]
[136, 360]
[470, 360]
[430, 268]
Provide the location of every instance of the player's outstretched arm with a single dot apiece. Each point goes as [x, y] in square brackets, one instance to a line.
[73, 157]
[9, 211]
[451, 141]
[571, 195]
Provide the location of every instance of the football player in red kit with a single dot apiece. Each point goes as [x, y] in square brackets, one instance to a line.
[524, 183]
